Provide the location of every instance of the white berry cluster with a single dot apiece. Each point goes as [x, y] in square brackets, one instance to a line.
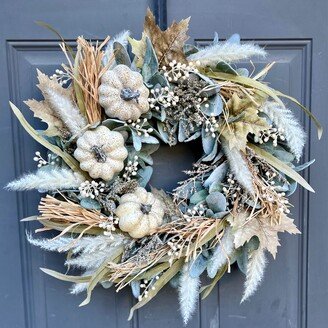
[272, 133]
[140, 126]
[41, 161]
[195, 211]
[108, 225]
[147, 285]
[131, 168]
[270, 194]
[211, 125]
[61, 77]
[162, 97]
[91, 189]
[177, 70]
[232, 188]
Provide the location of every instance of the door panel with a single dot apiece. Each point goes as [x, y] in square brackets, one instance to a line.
[295, 289]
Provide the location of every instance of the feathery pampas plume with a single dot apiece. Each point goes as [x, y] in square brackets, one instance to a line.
[67, 111]
[46, 180]
[284, 119]
[188, 293]
[121, 38]
[238, 167]
[78, 288]
[254, 274]
[226, 51]
[83, 245]
[221, 253]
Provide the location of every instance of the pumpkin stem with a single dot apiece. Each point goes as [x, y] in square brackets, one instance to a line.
[100, 155]
[128, 94]
[145, 208]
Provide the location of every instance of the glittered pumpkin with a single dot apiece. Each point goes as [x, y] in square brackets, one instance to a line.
[101, 152]
[139, 213]
[122, 94]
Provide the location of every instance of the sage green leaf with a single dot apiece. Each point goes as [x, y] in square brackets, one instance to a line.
[65, 277]
[198, 266]
[304, 166]
[206, 290]
[135, 287]
[217, 175]
[145, 175]
[281, 166]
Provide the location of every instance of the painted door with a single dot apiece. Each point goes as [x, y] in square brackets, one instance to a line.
[295, 288]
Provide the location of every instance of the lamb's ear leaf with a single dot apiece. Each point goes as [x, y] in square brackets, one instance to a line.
[159, 284]
[145, 175]
[281, 166]
[121, 55]
[68, 159]
[150, 65]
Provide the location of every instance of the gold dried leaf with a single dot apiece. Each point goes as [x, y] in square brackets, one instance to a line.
[138, 49]
[244, 119]
[168, 44]
[42, 110]
[245, 227]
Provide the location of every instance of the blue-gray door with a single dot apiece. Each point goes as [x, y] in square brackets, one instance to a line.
[295, 289]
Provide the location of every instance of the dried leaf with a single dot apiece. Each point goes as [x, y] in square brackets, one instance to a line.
[138, 49]
[168, 44]
[245, 227]
[42, 110]
[245, 120]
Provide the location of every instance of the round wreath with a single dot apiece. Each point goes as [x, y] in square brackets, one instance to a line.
[107, 110]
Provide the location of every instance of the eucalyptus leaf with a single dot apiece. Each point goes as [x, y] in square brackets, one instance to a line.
[216, 201]
[90, 204]
[225, 68]
[215, 106]
[292, 188]
[158, 79]
[198, 197]
[162, 134]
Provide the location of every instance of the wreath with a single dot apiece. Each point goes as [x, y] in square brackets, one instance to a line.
[107, 111]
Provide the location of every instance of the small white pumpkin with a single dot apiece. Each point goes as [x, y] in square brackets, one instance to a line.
[139, 213]
[101, 152]
[122, 93]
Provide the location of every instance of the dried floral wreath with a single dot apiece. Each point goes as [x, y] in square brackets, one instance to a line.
[107, 111]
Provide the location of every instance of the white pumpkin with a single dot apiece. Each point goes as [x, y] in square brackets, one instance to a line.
[101, 152]
[122, 93]
[139, 213]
